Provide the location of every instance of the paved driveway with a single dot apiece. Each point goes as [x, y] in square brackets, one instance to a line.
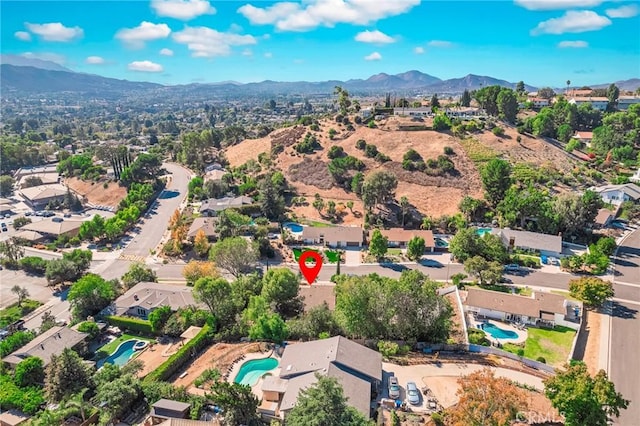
[625, 323]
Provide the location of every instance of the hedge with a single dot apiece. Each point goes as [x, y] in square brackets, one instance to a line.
[177, 360]
[133, 324]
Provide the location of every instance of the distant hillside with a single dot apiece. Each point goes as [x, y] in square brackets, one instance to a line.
[30, 79]
[471, 82]
[630, 85]
[21, 61]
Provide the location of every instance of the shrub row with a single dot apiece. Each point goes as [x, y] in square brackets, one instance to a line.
[177, 360]
[133, 324]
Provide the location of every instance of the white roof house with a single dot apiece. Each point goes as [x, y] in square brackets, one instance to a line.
[597, 102]
[618, 194]
[624, 102]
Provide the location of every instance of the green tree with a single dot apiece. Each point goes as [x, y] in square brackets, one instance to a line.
[118, 395]
[21, 292]
[543, 123]
[415, 248]
[235, 255]
[378, 245]
[60, 270]
[6, 185]
[138, 273]
[159, 317]
[520, 88]
[565, 132]
[318, 204]
[593, 291]
[271, 199]
[324, 404]
[314, 321]
[520, 204]
[66, 374]
[486, 272]
[238, 403]
[216, 294]
[496, 179]
[11, 252]
[29, 372]
[89, 295]
[465, 100]
[378, 188]
[583, 399]
[404, 207]
[280, 288]
[269, 327]
[435, 103]
[469, 206]
[441, 122]
[507, 105]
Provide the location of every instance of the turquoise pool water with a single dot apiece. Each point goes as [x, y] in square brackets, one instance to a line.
[252, 370]
[293, 227]
[483, 231]
[121, 355]
[440, 242]
[499, 333]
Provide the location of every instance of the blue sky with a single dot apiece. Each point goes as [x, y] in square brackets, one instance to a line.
[543, 42]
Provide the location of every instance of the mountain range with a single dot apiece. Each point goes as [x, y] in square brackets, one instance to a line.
[28, 75]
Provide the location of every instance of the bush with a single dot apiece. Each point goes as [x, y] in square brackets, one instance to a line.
[335, 152]
[34, 265]
[370, 151]
[177, 360]
[541, 359]
[411, 155]
[438, 419]
[478, 337]
[498, 131]
[361, 144]
[388, 349]
[89, 327]
[133, 324]
[15, 341]
[448, 150]
[382, 158]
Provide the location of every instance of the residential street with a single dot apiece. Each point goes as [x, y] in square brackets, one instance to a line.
[625, 326]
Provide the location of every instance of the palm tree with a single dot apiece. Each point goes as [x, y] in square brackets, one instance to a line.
[78, 402]
[568, 84]
[404, 205]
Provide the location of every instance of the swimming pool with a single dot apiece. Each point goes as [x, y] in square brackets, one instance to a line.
[440, 242]
[497, 332]
[483, 231]
[251, 371]
[293, 227]
[122, 354]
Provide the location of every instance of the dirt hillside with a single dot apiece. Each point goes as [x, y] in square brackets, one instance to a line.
[96, 193]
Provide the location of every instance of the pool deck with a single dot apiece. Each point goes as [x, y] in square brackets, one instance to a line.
[257, 388]
[522, 334]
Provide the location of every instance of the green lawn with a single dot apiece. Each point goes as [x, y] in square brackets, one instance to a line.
[315, 224]
[553, 345]
[478, 152]
[108, 349]
[394, 252]
[565, 294]
[297, 252]
[13, 313]
[332, 256]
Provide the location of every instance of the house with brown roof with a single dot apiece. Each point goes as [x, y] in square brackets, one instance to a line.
[207, 225]
[357, 368]
[334, 236]
[49, 228]
[213, 206]
[545, 244]
[540, 309]
[168, 409]
[584, 137]
[39, 196]
[398, 237]
[51, 342]
[144, 297]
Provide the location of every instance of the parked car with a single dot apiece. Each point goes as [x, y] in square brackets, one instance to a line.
[512, 267]
[57, 219]
[67, 215]
[394, 388]
[48, 213]
[3, 226]
[413, 394]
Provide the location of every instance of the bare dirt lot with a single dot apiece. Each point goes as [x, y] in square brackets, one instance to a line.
[96, 193]
[249, 149]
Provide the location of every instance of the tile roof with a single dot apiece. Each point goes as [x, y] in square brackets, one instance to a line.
[334, 234]
[41, 192]
[513, 304]
[153, 295]
[51, 342]
[404, 235]
[48, 226]
[207, 224]
[219, 204]
[530, 240]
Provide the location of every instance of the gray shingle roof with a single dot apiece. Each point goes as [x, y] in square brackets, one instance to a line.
[530, 240]
[514, 304]
[334, 234]
[51, 342]
[153, 295]
[219, 204]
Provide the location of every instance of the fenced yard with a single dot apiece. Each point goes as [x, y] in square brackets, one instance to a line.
[553, 345]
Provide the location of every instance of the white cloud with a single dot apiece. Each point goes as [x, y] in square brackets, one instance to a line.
[418, 50]
[375, 56]
[573, 21]
[205, 42]
[166, 52]
[556, 4]
[578, 44]
[247, 52]
[268, 55]
[44, 56]
[305, 16]
[628, 11]
[95, 60]
[440, 43]
[182, 9]
[145, 66]
[235, 28]
[146, 31]
[268, 15]
[22, 35]
[55, 31]
[374, 37]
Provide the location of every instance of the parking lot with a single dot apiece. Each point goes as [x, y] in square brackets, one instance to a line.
[36, 286]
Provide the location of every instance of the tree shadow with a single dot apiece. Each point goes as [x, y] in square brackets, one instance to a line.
[168, 194]
[394, 266]
[430, 263]
[620, 311]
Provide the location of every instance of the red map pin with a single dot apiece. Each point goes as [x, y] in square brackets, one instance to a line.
[310, 272]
